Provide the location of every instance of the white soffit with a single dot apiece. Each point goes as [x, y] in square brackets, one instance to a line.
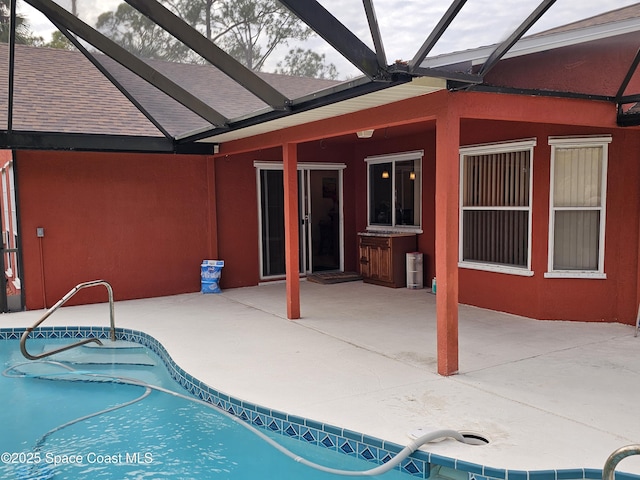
[417, 87]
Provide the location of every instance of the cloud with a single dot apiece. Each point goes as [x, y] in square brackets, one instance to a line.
[405, 25]
[88, 12]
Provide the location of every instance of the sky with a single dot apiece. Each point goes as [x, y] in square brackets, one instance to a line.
[404, 24]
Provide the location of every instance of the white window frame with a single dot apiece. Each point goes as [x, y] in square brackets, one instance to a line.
[487, 149]
[392, 158]
[579, 142]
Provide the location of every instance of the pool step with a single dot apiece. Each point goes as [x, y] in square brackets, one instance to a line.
[115, 345]
[111, 353]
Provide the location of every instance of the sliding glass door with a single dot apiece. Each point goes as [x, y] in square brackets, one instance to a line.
[319, 211]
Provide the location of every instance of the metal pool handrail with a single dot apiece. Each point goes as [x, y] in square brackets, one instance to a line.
[62, 301]
[615, 458]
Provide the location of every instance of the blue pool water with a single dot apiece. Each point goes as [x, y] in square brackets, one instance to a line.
[71, 416]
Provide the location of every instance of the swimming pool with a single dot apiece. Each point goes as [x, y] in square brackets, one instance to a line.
[90, 413]
[327, 444]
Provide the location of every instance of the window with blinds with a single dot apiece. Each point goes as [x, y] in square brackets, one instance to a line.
[577, 200]
[495, 217]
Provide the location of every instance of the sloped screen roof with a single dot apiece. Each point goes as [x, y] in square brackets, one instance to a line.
[146, 73]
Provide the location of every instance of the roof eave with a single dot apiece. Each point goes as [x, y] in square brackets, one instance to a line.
[382, 95]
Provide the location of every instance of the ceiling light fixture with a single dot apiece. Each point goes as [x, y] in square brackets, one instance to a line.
[365, 133]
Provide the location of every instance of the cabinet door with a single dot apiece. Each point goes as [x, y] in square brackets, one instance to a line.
[380, 263]
[383, 260]
[374, 262]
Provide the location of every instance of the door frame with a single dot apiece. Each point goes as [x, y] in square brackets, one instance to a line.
[302, 166]
[10, 251]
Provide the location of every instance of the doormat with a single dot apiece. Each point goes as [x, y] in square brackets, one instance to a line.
[327, 278]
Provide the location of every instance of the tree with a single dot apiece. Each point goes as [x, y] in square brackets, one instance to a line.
[248, 30]
[23, 31]
[139, 35]
[307, 63]
[59, 40]
[198, 13]
[256, 28]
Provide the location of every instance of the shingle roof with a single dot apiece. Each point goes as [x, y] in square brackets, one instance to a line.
[62, 91]
[624, 13]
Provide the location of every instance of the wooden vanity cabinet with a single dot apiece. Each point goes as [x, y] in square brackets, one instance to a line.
[383, 258]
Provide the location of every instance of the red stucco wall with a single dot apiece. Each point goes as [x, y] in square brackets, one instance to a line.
[145, 222]
[575, 68]
[484, 119]
[237, 211]
[422, 139]
[140, 222]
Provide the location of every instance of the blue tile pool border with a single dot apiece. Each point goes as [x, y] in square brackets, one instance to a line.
[348, 442]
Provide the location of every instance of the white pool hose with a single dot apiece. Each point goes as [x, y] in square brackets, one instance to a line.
[389, 465]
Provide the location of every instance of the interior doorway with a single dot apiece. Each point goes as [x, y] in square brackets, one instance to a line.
[320, 213]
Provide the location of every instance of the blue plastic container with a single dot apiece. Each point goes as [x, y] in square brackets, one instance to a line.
[210, 272]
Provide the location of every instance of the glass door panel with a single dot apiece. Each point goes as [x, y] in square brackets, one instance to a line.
[272, 222]
[325, 220]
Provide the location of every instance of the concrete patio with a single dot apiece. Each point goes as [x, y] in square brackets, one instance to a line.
[547, 395]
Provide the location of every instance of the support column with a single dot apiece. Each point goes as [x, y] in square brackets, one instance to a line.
[291, 229]
[447, 231]
[213, 206]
